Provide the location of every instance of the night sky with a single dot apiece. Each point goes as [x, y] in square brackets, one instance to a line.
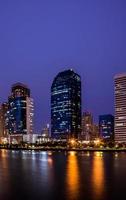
[39, 38]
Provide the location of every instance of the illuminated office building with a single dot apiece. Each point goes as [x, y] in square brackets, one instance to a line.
[20, 110]
[66, 105]
[120, 108]
[106, 127]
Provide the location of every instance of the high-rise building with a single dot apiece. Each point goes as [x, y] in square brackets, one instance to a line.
[120, 108]
[87, 126]
[66, 105]
[29, 115]
[20, 110]
[106, 127]
[3, 112]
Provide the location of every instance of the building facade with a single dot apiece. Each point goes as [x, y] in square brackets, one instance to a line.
[106, 127]
[95, 131]
[3, 113]
[45, 131]
[120, 108]
[29, 115]
[20, 110]
[87, 125]
[66, 105]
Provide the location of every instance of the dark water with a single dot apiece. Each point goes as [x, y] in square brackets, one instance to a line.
[60, 175]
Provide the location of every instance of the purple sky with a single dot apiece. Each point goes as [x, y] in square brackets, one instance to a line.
[39, 38]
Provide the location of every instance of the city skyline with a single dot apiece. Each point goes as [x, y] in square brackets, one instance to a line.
[62, 99]
[40, 39]
[96, 118]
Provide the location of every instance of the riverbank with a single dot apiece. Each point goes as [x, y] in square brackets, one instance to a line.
[64, 149]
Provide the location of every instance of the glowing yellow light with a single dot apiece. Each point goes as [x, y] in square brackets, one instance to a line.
[4, 140]
[97, 141]
[49, 153]
[99, 154]
[72, 141]
[116, 155]
[72, 153]
[88, 154]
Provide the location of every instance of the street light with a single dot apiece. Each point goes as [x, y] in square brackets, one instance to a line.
[72, 141]
[97, 141]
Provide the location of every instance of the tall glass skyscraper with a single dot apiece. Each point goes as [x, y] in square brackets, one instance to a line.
[66, 105]
[19, 118]
[120, 108]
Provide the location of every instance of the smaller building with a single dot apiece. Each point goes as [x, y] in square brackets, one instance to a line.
[45, 131]
[106, 127]
[3, 113]
[30, 138]
[95, 133]
[29, 115]
[87, 126]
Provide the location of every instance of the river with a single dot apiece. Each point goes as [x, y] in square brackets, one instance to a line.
[62, 175]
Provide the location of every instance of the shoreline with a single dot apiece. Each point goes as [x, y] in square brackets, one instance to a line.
[63, 149]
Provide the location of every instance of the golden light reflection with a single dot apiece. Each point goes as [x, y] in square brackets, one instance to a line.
[88, 154]
[98, 175]
[72, 153]
[72, 177]
[99, 154]
[4, 160]
[116, 155]
[50, 161]
[3, 153]
[4, 170]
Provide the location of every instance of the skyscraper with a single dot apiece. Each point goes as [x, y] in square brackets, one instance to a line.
[106, 127]
[120, 108]
[20, 110]
[66, 105]
[3, 112]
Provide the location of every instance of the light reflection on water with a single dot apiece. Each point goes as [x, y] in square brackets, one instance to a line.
[98, 175]
[72, 175]
[4, 172]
